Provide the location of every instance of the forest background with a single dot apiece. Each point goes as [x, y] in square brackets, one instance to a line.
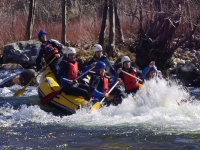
[151, 29]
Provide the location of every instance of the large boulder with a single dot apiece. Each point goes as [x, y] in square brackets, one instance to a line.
[188, 74]
[21, 79]
[22, 52]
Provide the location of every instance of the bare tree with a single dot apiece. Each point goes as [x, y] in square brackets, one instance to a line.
[30, 22]
[111, 44]
[118, 24]
[103, 23]
[64, 22]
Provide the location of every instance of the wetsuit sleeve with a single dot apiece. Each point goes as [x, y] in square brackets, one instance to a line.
[145, 71]
[58, 45]
[109, 68]
[62, 73]
[139, 73]
[64, 81]
[38, 60]
[121, 76]
[93, 87]
[90, 62]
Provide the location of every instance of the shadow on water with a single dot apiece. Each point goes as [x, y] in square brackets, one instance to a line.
[17, 102]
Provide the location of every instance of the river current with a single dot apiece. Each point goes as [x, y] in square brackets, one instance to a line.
[160, 116]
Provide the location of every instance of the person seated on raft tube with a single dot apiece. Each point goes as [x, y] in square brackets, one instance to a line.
[151, 72]
[68, 72]
[98, 56]
[100, 85]
[131, 84]
[48, 50]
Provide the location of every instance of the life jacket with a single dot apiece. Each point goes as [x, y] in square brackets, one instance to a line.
[73, 71]
[104, 88]
[130, 82]
[105, 85]
[49, 50]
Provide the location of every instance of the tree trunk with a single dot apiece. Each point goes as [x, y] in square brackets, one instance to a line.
[104, 23]
[111, 44]
[64, 22]
[118, 25]
[30, 22]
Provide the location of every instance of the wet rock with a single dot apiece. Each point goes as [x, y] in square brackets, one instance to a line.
[11, 66]
[22, 79]
[22, 52]
[188, 74]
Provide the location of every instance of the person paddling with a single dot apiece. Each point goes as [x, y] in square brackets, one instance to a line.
[100, 85]
[131, 83]
[68, 72]
[48, 50]
[98, 56]
[151, 71]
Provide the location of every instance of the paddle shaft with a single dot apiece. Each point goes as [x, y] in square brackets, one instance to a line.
[131, 75]
[110, 91]
[84, 73]
[40, 72]
[21, 91]
[51, 95]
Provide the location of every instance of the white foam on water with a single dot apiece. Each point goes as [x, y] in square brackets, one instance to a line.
[155, 105]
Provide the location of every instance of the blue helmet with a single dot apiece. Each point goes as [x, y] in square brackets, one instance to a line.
[152, 69]
[99, 65]
[40, 33]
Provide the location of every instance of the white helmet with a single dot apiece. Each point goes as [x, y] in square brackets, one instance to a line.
[125, 58]
[97, 47]
[71, 50]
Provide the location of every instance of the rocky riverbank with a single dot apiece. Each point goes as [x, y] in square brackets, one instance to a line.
[22, 54]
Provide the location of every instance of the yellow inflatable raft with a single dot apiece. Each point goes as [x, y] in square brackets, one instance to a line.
[67, 104]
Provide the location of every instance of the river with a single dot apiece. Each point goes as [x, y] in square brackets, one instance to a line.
[152, 120]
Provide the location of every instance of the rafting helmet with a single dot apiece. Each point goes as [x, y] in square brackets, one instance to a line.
[97, 47]
[152, 69]
[125, 58]
[40, 33]
[99, 65]
[71, 50]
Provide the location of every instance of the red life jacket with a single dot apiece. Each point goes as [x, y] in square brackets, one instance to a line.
[73, 71]
[49, 50]
[104, 88]
[105, 85]
[130, 82]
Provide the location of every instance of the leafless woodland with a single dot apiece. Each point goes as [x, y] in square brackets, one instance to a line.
[153, 29]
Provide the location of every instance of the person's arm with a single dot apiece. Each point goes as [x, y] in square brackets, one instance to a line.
[145, 71]
[90, 62]
[58, 45]
[138, 73]
[109, 68]
[38, 60]
[62, 73]
[93, 87]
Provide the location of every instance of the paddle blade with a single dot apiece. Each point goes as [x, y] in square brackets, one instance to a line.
[140, 86]
[49, 97]
[95, 107]
[19, 92]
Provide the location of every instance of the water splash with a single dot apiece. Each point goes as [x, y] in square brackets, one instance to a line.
[154, 106]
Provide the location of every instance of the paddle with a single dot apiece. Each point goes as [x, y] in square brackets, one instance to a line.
[10, 78]
[97, 105]
[21, 91]
[131, 75]
[140, 85]
[51, 95]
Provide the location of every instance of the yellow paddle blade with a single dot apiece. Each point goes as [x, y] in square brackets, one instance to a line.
[140, 86]
[19, 92]
[95, 107]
